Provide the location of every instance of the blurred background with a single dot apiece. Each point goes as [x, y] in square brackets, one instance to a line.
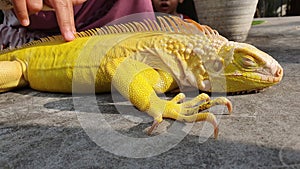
[265, 8]
[275, 8]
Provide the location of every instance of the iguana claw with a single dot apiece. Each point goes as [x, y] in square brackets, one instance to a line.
[153, 127]
[190, 111]
[217, 101]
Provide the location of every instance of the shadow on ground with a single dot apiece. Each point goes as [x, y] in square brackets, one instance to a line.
[53, 147]
[50, 146]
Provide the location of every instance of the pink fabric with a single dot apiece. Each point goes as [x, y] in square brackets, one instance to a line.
[91, 14]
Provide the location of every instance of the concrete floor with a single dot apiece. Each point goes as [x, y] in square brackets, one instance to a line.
[45, 130]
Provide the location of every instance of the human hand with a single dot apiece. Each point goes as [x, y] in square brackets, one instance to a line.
[63, 10]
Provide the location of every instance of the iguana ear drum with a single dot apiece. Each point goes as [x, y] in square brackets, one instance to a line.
[214, 66]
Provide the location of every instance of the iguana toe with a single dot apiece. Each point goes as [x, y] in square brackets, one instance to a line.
[189, 111]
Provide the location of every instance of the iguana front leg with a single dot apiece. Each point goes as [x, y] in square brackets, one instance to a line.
[12, 75]
[137, 82]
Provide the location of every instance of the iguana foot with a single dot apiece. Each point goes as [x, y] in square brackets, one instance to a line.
[190, 111]
[198, 102]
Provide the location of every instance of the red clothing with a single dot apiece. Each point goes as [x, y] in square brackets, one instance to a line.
[182, 16]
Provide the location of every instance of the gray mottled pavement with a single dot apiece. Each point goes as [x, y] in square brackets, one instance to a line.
[43, 130]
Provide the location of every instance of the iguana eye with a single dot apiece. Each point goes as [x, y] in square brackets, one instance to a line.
[248, 62]
[245, 61]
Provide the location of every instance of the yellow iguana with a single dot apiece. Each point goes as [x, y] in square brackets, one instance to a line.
[146, 58]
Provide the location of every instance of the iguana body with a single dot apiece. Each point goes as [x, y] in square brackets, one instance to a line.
[182, 54]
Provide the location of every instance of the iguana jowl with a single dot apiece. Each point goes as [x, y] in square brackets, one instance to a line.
[145, 58]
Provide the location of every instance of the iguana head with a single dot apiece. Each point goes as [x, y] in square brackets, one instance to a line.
[247, 68]
[218, 65]
[231, 66]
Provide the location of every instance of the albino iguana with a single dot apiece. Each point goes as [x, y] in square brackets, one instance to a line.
[142, 59]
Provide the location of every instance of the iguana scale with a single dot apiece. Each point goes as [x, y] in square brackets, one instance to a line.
[142, 59]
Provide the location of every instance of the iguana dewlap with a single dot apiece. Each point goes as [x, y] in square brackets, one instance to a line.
[141, 59]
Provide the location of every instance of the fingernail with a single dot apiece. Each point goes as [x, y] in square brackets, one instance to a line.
[25, 22]
[69, 36]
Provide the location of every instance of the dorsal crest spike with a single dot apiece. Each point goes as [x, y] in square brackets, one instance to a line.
[153, 25]
[133, 26]
[157, 26]
[110, 30]
[140, 28]
[145, 27]
[204, 28]
[102, 31]
[172, 23]
[124, 28]
[148, 25]
[117, 28]
[161, 24]
[113, 29]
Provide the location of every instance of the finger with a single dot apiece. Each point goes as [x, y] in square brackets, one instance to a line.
[34, 6]
[65, 17]
[78, 2]
[20, 9]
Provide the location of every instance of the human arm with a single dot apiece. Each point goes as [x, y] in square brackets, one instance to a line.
[63, 10]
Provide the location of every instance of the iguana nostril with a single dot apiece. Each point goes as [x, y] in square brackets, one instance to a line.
[279, 72]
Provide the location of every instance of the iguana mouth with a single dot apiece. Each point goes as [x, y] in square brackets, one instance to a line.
[270, 79]
[262, 78]
[275, 77]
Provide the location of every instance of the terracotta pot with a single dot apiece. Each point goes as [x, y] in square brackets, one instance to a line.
[232, 18]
